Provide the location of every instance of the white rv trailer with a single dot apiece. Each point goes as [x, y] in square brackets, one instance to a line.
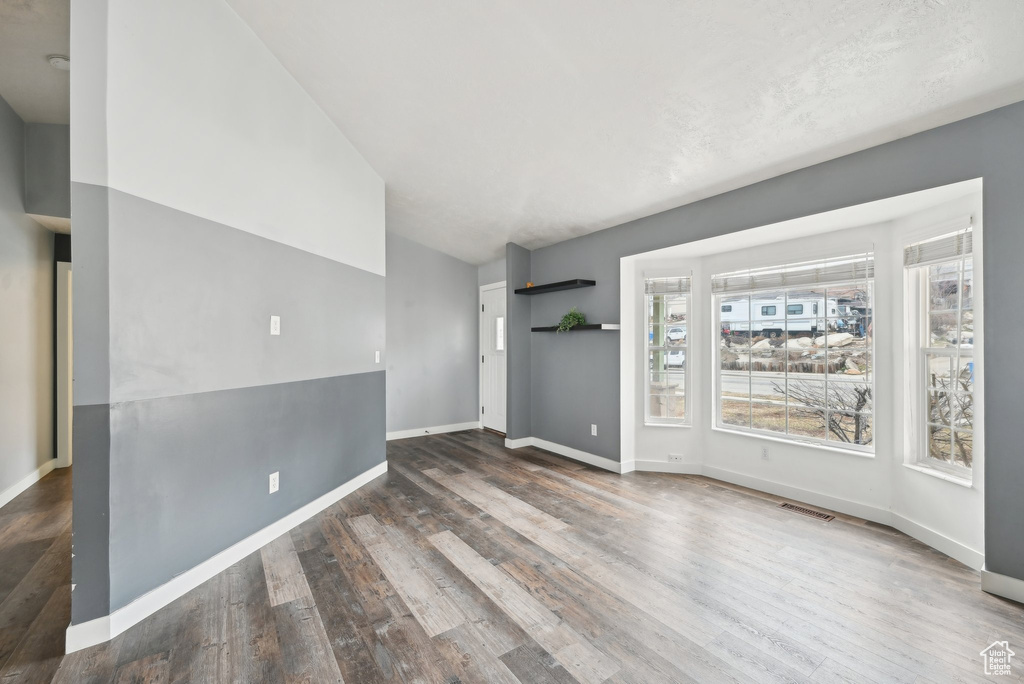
[774, 316]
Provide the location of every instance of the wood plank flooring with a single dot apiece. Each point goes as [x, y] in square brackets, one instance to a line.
[468, 562]
[35, 579]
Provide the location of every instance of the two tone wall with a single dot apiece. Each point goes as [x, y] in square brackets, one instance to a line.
[209, 192]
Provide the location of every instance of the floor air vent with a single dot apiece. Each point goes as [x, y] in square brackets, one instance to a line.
[807, 511]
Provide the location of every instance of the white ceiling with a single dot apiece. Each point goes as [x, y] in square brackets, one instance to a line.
[30, 30]
[536, 121]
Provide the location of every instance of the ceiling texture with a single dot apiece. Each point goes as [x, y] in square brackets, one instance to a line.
[536, 121]
[31, 30]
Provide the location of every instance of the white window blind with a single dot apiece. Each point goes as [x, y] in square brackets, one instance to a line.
[822, 272]
[653, 286]
[950, 247]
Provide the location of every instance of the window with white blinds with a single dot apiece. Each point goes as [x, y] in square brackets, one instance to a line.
[950, 247]
[944, 270]
[654, 286]
[806, 274]
[667, 302]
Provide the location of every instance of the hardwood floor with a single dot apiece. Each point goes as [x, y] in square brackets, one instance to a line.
[35, 579]
[469, 562]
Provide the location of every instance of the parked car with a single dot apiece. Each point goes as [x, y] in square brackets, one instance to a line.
[675, 359]
[676, 333]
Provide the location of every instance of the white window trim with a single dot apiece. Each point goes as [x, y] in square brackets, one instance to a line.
[686, 421]
[867, 451]
[920, 458]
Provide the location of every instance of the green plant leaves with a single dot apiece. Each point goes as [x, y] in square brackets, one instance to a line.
[571, 320]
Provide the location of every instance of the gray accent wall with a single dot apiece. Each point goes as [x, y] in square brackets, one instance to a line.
[189, 473]
[91, 298]
[90, 522]
[198, 297]
[26, 318]
[493, 272]
[990, 146]
[433, 337]
[48, 169]
[517, 332]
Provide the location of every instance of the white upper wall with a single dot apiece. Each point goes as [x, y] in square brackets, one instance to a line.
[216, 127]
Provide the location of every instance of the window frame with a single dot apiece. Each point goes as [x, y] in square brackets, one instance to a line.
[921, 428]
[649, 349]
[865, 450]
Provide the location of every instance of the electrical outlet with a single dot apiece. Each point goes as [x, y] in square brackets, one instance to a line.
[764, 453]
[275, 325]
[275, 482]
[593, 430]
[376, 356]
[675, 458]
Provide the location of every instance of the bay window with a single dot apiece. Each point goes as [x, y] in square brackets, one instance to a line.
[795, 355]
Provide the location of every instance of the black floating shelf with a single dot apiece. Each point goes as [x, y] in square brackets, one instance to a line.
[555, 287]
[585, 326]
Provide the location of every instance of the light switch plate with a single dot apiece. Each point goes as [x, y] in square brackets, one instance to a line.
[376, 356]
[275, 325]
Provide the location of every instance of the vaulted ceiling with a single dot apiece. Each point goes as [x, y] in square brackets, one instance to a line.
[535, 121]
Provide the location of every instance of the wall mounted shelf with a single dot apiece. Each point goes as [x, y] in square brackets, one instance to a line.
[555, 287]
[586, 326]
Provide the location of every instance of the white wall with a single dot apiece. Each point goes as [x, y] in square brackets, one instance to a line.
[941, 513]
[228, 136]
[26, 301]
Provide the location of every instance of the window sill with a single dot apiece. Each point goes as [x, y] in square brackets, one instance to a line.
[935, 472]
[667, 425]
[796, 443]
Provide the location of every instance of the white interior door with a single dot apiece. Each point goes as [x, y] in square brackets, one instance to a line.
[492, 357]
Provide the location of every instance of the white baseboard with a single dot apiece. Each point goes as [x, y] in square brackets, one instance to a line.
[668, 467]
[569, 452]
[109, 626]
[24, 483]
[1002, 585]
[436, 430]
[968, 556]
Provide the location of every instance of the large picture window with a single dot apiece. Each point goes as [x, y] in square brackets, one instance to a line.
[806, 374]
[667, 306]
[945, 269]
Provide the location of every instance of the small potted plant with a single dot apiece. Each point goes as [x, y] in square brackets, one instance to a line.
[571, 320]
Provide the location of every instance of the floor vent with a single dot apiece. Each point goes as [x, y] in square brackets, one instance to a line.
[807, 511]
